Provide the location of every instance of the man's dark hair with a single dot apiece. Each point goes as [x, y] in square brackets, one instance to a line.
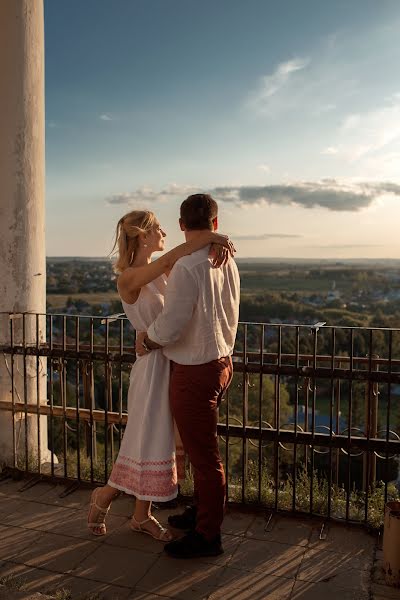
[198, 211]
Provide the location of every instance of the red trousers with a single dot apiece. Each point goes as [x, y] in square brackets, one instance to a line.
[195, 394]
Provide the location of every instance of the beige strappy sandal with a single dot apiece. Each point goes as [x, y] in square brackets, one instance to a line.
[164, 534]
[101, 515]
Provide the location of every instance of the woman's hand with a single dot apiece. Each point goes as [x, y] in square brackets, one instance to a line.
[219, 255]
[222, 240]
[221, 249]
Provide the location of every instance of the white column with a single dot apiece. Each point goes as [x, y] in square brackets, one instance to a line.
[22, 212]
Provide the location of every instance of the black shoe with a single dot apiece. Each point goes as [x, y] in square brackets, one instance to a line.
[194, 545]
[186, 521]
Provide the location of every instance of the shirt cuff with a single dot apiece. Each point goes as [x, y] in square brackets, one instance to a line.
[152, 335]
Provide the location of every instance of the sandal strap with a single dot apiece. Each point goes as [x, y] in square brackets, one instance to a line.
[150, 518]
[102, 511]
[100, 525]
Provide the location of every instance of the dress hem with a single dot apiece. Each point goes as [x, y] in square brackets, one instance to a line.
[140, 496]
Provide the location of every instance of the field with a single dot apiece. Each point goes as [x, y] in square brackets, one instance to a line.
[59, 301]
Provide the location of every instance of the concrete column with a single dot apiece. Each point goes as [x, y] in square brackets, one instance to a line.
[22, 225]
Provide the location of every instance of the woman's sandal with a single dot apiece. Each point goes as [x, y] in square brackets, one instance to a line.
[164, 534]
[101, 515]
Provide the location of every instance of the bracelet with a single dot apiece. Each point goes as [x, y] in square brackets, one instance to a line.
[145, 346]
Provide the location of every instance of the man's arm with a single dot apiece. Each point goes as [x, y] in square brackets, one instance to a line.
[180, 299]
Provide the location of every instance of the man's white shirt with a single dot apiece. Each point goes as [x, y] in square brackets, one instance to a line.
[199, 320]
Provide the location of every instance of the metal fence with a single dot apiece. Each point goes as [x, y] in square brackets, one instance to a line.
[309, 424]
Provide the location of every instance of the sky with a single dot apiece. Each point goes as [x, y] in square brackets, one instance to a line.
[287, 112]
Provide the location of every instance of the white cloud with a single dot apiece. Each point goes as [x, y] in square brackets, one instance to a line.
[327, 193]
[265, 236]
[265, 168]
[330, 150]
[270, 85]
[105, 117]
[365, 134]
[146, 194]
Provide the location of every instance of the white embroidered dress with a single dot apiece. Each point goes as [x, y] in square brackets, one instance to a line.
[146, 463]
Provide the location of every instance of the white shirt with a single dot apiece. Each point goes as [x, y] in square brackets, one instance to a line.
[199, 320]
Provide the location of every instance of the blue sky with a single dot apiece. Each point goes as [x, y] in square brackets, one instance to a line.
[287, 112]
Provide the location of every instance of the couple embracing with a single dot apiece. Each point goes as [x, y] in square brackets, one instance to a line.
[185, 308]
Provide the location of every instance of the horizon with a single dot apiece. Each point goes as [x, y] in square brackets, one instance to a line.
[254, 259]
[288, 114]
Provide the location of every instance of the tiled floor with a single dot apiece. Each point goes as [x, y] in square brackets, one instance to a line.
[45, 547]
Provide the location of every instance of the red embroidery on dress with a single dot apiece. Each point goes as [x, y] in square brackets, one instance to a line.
[147, 462]
[145, 483]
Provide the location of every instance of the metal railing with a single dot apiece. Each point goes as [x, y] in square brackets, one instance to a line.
[309, 424]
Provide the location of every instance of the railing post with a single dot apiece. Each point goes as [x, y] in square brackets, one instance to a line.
[371, 424]
[88, 402]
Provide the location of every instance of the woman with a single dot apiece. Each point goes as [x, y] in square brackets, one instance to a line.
[146, 463]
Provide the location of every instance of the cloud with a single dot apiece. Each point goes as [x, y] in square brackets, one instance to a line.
[264, 168]
[146, 195]
[265, 236]
[364, 135]
[270, 85]
[328, 193]
[105, 117]
[330, 150]
[344, 246]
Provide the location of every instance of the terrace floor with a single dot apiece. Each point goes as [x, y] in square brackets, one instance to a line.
[45, 549]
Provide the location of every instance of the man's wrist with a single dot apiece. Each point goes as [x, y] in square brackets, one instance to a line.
[149, 345]
[145, 345]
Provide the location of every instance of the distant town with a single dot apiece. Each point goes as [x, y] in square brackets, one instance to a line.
[352, 293]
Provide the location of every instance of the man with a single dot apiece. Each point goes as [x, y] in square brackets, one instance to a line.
[197, 329]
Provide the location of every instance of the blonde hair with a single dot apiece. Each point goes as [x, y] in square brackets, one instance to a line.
[127, 236]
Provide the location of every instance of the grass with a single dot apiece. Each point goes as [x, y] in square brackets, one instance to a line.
[62, 594]
[12, 583]
[65, 594]
[356, 499]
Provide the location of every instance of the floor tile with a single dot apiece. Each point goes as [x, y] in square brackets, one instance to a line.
[15, 488]
[82, 588]
[31, 579]
[240, 585]
[323, 591]
[13, 540]
[74, 523]
[333, 568]
[380, 591]
[230, 544]
[78, 499]
[56, 552]
[237, 523]
[358, 559]
[34, 515]
[115, 566]
[184, 579]
[137, 595]
[270, 558]
[340, 538]
[280, 529]
[8, 506]
[126, 538]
